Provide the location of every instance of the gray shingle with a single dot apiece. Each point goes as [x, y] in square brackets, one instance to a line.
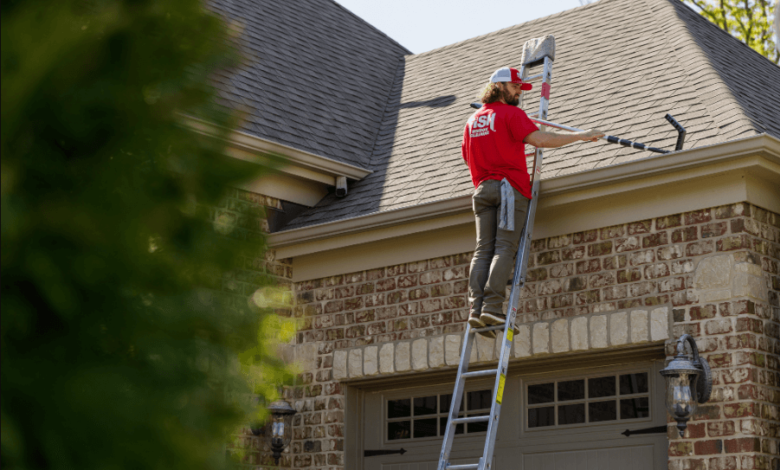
[316, 76]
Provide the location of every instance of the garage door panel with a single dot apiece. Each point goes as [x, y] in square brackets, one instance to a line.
[427, 465]
[557, 444]
[627, 458]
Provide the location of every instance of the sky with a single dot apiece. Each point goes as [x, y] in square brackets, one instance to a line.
[422, 25]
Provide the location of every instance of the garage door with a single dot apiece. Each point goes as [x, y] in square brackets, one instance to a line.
[549, 422]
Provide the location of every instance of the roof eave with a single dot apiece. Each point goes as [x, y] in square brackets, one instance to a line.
[259, 146]
[763, 144]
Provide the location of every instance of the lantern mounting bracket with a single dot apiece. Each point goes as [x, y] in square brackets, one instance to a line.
[704, 381]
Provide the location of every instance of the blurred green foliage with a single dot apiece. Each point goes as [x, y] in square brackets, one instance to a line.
[750, 21]
[119, 349]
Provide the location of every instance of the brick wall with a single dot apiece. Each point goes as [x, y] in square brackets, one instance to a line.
[240, 215]
[733, 310]
[712, 273]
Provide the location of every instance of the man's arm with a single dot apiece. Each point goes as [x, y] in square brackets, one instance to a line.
[546, 139]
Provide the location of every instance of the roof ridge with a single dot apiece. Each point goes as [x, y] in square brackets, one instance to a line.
[370, 25]
[722, 93]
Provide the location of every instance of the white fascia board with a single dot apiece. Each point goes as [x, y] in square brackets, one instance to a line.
[385, 219]
[296, 158]
[760, 145]
[764, 146]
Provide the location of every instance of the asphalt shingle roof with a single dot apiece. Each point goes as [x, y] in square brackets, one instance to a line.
[620, 66]
[316, 77]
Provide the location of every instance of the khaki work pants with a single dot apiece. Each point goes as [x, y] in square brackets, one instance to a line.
[495, 250]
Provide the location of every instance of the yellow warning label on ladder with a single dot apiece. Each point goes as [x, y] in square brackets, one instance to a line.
[500, 394]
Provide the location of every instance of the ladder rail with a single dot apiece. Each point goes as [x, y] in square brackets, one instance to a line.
[457, 397]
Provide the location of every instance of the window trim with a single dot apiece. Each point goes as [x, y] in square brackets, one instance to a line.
[648, 369]
[438, 392]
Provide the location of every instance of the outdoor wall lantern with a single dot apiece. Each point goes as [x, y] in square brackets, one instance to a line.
[278, 429]
[688, 383]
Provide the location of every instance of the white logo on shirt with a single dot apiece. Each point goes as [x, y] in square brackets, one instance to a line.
[482, 125]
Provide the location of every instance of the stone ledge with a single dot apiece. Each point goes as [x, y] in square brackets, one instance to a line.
[561, 336]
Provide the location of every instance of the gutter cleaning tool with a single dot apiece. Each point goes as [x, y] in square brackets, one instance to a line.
[616, 140]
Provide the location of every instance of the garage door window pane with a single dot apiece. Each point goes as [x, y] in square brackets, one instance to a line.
[445, 401]
[399, 408]
[399, 430]
[571, 414]
[443, 427]
[539, 417]
[571, 390]
[477, 427]
[633, 383]
[601, 387]
[634, 408]
[480, 400]
[602, 411]
[542, 393]
[424, 406]
[425, 427]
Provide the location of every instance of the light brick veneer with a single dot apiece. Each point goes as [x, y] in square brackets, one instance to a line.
[712, 273]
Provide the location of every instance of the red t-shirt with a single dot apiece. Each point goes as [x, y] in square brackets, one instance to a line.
[493, 145]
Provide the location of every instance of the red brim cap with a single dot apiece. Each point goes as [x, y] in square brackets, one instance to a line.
[516, 78]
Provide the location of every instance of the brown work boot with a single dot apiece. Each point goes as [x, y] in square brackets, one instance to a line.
[490, 319]
[474, 320]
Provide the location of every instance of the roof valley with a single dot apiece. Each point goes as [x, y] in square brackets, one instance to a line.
[395, 92]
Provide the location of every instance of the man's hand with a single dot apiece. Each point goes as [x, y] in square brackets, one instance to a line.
[590, 135]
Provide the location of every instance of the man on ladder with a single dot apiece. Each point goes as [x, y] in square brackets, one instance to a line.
[505, 206]
[494, 150]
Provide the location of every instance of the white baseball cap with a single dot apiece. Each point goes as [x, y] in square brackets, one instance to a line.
[507, 74]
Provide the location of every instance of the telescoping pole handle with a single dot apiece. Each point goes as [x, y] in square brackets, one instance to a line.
[609, 138]
[680, 131]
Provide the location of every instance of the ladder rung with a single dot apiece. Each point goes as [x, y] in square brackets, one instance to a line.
[472, 419]
[533, 114]
[466, 466]
[533, 77]
[488, 328]
[479, 373]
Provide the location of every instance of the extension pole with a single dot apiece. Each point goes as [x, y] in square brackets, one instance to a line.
[609, 138]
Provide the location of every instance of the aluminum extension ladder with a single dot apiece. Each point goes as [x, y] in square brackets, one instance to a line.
[535, 51]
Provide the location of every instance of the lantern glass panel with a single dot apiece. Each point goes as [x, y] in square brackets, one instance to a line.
[279, 430]
[681, 395]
